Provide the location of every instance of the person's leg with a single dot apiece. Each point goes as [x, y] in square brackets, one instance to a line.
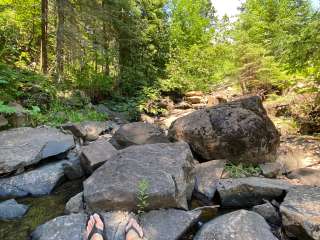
[133, 230]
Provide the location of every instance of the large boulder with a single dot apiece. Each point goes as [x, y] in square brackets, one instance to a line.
[138, 133]
[239, 131]
[37, 182]
[207, 178]
[168, 224]
[167, 169]
[10, 210]
[251, 191]
[301, 213]
[22, 147]
[238, 225]
[72, 227]
[95, 154]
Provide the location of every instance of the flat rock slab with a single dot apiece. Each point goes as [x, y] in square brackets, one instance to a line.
[10, 210]
[251, 191]
[238, 225]
[239, 131]
[138, 133]
[37, 182]
[95, 154]
[168, 224]
[167, 168]
[21, 147]
[301, 213]
[307, 176]
[297, 152]
[72, 227]
[207, 177]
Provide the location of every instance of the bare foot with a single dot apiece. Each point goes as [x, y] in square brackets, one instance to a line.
[133, 230]
[97, 222]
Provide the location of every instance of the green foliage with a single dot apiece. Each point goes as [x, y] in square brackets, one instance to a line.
[18, 84]
[241, 170]
[198, 68]
[60, 114]
[143, 196]
[6, 109]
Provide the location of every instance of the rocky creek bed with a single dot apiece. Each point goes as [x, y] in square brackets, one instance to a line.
[51, 179]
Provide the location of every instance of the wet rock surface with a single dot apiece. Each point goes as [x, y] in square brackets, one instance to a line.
[238, 225]
[10, 209]
[251, 191]
[138, 133]
[239, 131]
[169, 224]
[168, 169]
[21, 147]
[40, 181]
[301, 213]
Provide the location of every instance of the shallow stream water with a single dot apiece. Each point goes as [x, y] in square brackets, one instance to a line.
[41, 210]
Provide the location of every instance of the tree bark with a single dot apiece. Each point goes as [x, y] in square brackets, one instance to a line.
[44, 36]
[60, 40]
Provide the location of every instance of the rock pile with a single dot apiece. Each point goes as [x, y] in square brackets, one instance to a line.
[124, 164]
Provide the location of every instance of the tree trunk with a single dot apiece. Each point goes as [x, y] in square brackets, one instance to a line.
[44, 36]
[60, 41]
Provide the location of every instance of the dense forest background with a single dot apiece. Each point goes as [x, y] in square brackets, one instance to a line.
[130, 52]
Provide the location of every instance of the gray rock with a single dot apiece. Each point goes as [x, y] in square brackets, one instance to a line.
[168, 224]
[239, 131]
[271, 170]
[119, 118]
[301, 213]
[3, 121]
[72, 167]
[168, 169]
[251, 191]
[37, 182]
[20, 117]
[307, 176]
[89, 130]
[72, 227]
[10, 210]
[269, 212]
[22, 147]
[207, 177]
[238, 225]
[95, 154]
[75, 204]
[138, 133]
